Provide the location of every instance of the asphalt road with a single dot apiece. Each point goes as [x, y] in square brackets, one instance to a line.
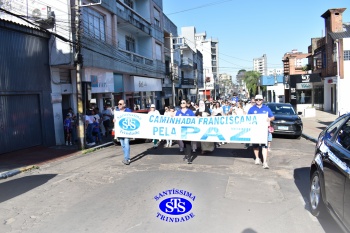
[228, 192]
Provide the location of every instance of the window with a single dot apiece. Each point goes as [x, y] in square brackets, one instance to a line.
[335, 54]
[304, 96]
[333, 129]
[130, 44]
[94, 24]
[346, 55]
[343, 137]
[318, 63]
[156, 18]
[129, 3]
[158, 52]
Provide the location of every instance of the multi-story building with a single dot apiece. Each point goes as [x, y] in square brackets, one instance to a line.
[331, 60]
[295, 67]
[225, 85]
[191, 77]
[112, 49]
[260, 64]
[209, 47]
[189, 64]
[172, 55]
[295, 62]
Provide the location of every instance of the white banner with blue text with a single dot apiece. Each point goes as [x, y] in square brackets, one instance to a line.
[251, 128]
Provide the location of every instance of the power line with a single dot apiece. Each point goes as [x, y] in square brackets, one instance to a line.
[198, 7]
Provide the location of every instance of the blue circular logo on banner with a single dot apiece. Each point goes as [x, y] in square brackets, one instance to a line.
[129, 123]
[175, 206]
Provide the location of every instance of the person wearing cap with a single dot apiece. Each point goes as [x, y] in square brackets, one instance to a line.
[154, 111]
[260, 108]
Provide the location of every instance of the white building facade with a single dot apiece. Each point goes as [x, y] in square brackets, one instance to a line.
[260, 64]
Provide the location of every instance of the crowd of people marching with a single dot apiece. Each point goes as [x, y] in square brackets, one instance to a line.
[98, 124]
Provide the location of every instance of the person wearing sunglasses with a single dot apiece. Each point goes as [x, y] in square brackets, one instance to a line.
[154, 111]
[249, 104]
[124, 142]
[260, 108]
[184, 111]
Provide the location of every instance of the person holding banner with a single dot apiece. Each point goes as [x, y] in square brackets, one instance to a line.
[124, 142]
[203, 111]
[184, 111]
[190, 105]
[169, 111]
[154, 111]
[260, 108]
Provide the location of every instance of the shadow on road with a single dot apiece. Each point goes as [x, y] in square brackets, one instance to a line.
[302, 181]
[16, 187]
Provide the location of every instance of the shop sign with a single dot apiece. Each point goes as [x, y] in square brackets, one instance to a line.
[303, 86]
[305, 78]
[102, 83]
[147, 84]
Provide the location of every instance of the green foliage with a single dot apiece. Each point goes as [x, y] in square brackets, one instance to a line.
[243, 70]
[251, 79]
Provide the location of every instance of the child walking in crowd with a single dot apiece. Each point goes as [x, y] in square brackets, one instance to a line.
[67, 124]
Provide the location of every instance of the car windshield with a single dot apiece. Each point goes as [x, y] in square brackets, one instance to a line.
[282, 110]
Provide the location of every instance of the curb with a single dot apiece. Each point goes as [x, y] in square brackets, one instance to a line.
[13, 172]
[309, 137]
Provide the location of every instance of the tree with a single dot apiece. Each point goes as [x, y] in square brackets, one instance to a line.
[251, 79]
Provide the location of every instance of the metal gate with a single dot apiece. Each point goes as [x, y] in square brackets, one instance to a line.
[20, 122]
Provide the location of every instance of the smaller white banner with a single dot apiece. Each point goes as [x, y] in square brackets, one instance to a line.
[301, 86]
[236, 129]
[147, 84]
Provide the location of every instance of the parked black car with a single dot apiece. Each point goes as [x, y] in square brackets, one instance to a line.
[287, 121]
[330, 173]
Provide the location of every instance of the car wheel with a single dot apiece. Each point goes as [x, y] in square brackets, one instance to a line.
[317, 207]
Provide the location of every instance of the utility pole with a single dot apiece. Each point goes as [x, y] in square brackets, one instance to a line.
[172, 75]
[205, 84]
[78, 59]
[197, 86]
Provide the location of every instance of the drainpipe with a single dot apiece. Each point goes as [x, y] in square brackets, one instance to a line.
[338, 106]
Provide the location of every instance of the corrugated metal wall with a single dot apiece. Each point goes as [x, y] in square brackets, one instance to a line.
[26, 117]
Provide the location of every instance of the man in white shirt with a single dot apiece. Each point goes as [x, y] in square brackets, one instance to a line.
[89, 120]
[154, 111]
[107, 116]
[249, 105]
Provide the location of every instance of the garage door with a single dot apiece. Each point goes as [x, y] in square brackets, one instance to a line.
[20, 122]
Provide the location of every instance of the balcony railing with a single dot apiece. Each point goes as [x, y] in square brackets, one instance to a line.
[185, 61]
[136, 58]
[134, 19]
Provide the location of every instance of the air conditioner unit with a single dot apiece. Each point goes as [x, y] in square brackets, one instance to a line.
[38, 11]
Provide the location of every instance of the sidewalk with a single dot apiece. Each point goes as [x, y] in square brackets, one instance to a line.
[19, 161]
[314, 125]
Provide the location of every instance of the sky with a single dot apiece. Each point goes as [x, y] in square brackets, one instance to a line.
[250, 28]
